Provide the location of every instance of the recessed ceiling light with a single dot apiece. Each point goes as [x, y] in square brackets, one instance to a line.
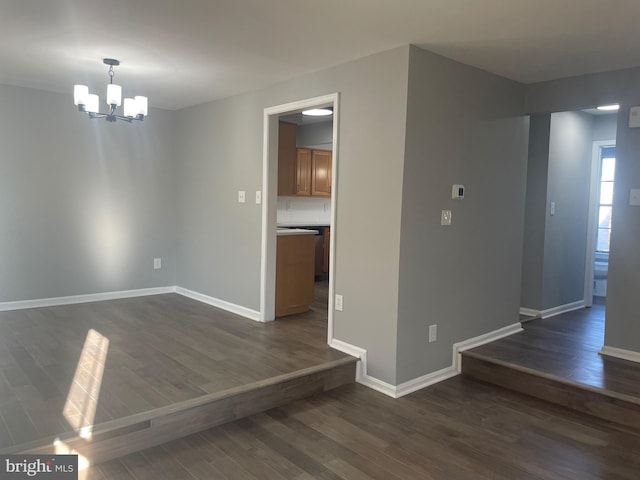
[318, 112]
[611, 108]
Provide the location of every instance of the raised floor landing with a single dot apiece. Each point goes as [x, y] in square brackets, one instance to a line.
[557, 359]
[92, 372]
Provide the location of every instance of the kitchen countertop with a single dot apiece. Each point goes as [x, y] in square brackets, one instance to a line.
[303, 224]
[296, 231]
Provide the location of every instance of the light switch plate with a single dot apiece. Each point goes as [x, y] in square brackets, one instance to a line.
[634, 197]
[338, 303]
[634, 117]
[258, 197]
[445, 218]
[241, 196]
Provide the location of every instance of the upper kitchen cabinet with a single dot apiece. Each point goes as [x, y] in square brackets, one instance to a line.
[301, 171]
[313, 173]
[321, 173]
[287, 158]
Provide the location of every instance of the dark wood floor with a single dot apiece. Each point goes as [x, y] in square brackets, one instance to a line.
[459, 429]
[567, 346]
[68, 367]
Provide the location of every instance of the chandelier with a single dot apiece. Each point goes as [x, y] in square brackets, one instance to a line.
[134, 108]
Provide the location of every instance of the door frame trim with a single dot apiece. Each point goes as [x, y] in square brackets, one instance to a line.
[270, 202]
[594, 193]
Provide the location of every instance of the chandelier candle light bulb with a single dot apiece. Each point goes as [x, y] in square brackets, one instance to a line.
[114, 94]
[134, 108]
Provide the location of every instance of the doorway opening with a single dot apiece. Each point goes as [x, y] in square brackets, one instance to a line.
[568, 199]
[599, 230]
[280, 208]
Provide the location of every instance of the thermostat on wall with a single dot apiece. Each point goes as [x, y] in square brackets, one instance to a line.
[457, 192]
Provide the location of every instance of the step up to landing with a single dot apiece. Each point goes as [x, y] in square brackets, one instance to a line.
[120, 437]
[603, 403]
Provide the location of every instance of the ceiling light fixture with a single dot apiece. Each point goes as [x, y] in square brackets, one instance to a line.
[134, 108]
[318, 112]
[609, 108]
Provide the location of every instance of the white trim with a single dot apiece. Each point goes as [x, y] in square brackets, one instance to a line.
[552, 312]
[354, 351]
[74, 299]
[334, 209]
[425, 381]
[569, 307]
[378, 385]
[592, 224]
[362, 376]
[474, 342]
[215, 302]
[397, 391]
[529, 312]
[269, 202]
[620, 353]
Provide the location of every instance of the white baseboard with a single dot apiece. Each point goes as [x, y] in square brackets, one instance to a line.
[474, 342]
[393, 391]
[354, 351]
[529, 312]
[552, 312]
[569, 307]
[143, 292]
[620, 353]
[94, 297]
[397, 391]
[362, 376]
[425, 381]
[229, 307]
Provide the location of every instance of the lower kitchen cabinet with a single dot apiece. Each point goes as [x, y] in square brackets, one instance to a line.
[295, 270]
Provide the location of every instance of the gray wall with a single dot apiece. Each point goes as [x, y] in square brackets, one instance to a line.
[85, 205]
[220, 152]
[315, 135]
[622, 321]
[604, 127]
[569, 175]
[462, 127]
[535, 212]
[555, 245]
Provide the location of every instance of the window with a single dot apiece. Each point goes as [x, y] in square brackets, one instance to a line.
[607, 173]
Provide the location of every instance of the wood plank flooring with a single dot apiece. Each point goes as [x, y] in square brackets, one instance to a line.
[567, 346]
[158, 351]
[459, 429]
[556, 359]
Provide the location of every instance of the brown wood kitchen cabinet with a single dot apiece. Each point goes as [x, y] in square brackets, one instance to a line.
[302, 172]
[313, 172]
[321, 173]
[294, 273]
[287, 158]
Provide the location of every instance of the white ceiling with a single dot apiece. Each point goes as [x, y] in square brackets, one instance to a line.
[185, 52]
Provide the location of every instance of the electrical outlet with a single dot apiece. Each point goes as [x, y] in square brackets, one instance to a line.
[338, 303]
[433, 333]
[241, 196]
[157, 263]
